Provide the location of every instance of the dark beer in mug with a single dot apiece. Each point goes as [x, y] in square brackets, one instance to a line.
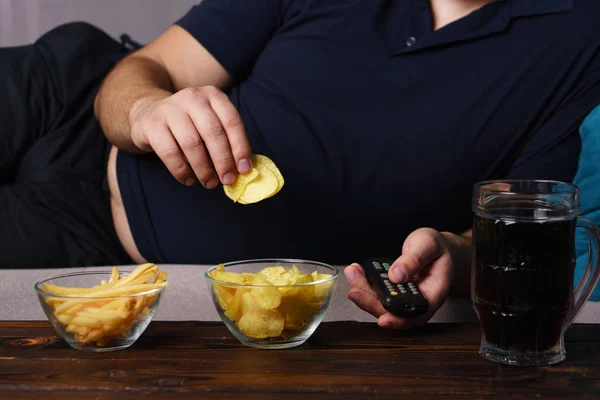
[523, 268]
[523, 281]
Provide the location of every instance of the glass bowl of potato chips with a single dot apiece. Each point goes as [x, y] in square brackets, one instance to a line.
[272, 303]
[102, 311]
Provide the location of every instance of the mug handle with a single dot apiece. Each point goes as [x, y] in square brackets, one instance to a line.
[590, 276]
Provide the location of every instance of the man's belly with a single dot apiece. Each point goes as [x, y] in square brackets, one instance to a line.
[118, 211]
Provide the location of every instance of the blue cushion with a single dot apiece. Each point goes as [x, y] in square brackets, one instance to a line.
[588, 180]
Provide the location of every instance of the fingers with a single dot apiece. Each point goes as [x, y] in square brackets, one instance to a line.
[211, 111]
[212, 135]
[426, 255]
[391, 321]
[234, 127]
[197, 133]
[364, 297]
[192, 146]
[421, 248]
[166, 148]
[361, 293]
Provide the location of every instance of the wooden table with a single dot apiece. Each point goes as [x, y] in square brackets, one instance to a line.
[342, 360]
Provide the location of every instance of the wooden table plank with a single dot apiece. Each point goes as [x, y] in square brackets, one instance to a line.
[342, 360]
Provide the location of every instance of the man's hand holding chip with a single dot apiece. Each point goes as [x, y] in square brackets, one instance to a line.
[197, 133]
[429, 255]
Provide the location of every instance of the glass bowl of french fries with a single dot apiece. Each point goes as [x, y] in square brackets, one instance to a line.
[272, 303]
[102, 311]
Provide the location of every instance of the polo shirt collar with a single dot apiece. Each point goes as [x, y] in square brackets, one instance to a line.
[490, 22]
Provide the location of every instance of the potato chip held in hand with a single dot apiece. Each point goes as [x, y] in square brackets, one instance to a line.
[264, 180]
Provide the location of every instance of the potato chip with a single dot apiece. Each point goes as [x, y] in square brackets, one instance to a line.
[249, 303]
[298, 312]
[234, 309]
[235, 191]
[261, 324]
[306, 292]
[248, 278]
[272, 273]
[321, 289]
[263, 181]
[220, 274]
[224, 295]
[262, 187]
[268, 296]
[267, 162]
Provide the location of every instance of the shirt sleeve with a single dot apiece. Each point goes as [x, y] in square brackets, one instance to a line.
[235, 32]
[552, 151]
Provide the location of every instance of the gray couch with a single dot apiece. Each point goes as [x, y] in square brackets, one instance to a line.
[188, 298]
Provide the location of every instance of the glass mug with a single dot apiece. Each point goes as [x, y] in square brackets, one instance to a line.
[523, 269]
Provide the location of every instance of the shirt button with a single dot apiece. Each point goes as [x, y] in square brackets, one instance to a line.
[410, 41]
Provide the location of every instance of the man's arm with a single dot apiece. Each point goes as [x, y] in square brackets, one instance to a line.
[174, 61]
[167, 97]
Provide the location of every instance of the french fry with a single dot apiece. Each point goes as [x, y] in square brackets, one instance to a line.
[136, 273]
[68, 305]
[103, 318]
[114, 276]
[92, 336]
[98, 311]
[82, 320]
[142, 274]
[112, 292]
[162, 276]
[64, 319]
[119, 304]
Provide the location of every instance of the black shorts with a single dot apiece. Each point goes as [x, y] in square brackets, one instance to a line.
[54, 201]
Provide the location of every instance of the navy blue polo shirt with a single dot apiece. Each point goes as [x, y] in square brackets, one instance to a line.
[379, 124]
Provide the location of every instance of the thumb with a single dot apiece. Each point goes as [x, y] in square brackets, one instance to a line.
[420, 249]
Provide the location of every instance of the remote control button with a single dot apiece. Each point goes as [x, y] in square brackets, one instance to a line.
[375, 263]
[386, 266]
[384, 275]
[394, 293]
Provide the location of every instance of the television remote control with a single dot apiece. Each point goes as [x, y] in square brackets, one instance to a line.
[402, 299]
